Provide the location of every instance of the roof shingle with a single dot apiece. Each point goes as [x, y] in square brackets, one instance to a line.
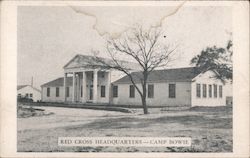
[178, 75]
[21, 86]
[58, 82]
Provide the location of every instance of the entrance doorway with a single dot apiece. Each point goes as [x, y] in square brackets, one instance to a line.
[91, 93]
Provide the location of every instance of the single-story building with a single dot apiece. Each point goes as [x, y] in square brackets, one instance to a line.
[29, 92]
[174, 87]
[85, 80]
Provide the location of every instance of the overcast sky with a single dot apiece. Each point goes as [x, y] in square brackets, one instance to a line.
[48, 37]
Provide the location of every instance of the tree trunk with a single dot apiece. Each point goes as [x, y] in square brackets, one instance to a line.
[144, 105]
[144, 94]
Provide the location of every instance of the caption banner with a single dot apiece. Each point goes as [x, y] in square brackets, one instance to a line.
[126, 141]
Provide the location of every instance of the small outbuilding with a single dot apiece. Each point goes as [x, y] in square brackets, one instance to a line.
[28, 92]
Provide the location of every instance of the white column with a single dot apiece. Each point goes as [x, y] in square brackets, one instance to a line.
[84, 91]
[95, 79]
[73, 87]
[108, 86]
[77, 87]
[65, 86]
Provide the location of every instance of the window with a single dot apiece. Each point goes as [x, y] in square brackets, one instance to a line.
[48, 92]
[198, 90]
[210, 91]
[103, 91]
[171, 91]
[131, 91]
[204, 89]
[57, 91]
[215, 90]
[67, 91]
[19, 95]
[220, 91]
[31, 95]
[26, 95]
[115, 91]
[150, 91]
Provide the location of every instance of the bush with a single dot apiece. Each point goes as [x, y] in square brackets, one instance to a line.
[23, 99]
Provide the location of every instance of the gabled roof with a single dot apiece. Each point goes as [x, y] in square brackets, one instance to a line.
[91, 61]
[59, 82]
[23, 86]
[171, 75]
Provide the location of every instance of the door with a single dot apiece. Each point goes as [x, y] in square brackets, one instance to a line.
[91, 92]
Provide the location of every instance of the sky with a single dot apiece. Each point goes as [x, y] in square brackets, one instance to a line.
[48, 37]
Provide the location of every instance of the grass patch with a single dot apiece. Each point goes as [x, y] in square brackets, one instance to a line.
[26, 111]
[209, 129]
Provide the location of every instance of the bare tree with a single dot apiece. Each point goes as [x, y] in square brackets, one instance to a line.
[144, 48]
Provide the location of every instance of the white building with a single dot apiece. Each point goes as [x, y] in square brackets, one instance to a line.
[88, 81]
[174, 87]
[85, 80]
[28, 91]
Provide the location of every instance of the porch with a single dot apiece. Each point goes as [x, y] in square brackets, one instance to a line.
[88, 86]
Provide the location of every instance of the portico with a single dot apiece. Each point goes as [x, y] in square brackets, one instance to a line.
[90, 85]
[84, 80]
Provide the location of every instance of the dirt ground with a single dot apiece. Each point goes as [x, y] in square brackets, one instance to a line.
[209, 128]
